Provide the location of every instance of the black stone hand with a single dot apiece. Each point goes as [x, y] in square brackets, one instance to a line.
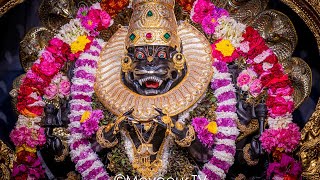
[245, 112]
[261, 114]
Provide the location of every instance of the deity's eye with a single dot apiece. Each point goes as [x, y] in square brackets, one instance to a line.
[162, 55]
[140, 55]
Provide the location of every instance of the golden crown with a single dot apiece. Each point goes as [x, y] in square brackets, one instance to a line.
[153, 22]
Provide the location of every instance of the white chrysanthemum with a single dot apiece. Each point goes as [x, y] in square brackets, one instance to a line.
[280, 122]
[70, 31]
[28, 122]
[230, 29]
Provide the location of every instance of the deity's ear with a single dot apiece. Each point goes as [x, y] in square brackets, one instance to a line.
[129, 51]
[172, 52]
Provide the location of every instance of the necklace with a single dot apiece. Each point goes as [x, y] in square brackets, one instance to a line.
[142, 155]
[140, 134]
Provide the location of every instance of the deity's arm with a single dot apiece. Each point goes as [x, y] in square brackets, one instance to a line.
[106, 135]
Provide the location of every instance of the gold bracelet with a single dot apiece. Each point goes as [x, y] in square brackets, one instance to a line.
[64, 154]
[190, 136]
[247, 157]
[179, 126]
[102, 140]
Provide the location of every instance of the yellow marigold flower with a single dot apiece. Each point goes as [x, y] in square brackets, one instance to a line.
[225, 47]
[26, 148]
[79, 44]
[212, 127]
[85, 116]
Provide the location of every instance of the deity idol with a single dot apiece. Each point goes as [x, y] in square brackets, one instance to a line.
[149, 74]
[160, 98]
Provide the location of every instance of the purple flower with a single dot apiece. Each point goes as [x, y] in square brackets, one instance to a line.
[91, 125]
[286, 166]
[206, 137]
[199, 123]
[221, 66]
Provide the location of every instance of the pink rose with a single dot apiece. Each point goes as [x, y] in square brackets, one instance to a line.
[286, 91]
[255, 87]
[244, 78]
[279, 106]
[51, 91]
[64, 87]
[47, 56]
[105, 19]
[49, 68]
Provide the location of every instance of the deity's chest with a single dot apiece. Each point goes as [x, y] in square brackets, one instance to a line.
[146, 148]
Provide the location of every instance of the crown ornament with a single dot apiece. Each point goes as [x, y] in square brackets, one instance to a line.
[153, 22]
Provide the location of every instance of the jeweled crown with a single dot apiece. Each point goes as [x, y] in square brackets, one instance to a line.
[153, 22]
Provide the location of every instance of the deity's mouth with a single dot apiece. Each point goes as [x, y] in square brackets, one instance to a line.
[152, 82]
[152, 85]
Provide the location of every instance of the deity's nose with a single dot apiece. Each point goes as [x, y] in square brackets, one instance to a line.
[150, 58]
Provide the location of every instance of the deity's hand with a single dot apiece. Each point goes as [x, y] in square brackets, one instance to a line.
[106, 135]
[171, 124]
[245, 112]
[53, 143]
[110, 131]
[124, 119]
[256, 148]
[261, 115]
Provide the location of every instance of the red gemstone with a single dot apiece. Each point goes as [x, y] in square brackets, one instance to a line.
[149, 36]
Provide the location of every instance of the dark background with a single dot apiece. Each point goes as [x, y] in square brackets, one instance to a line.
[16, 23]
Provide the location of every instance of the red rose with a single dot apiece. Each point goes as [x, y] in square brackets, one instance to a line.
[272, 59]
[279, 82]
[258, 68]
[256, 50]
[279, 106]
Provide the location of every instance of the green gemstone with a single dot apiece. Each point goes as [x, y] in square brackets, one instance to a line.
[132, 37]
[167, 35]
[149, 14]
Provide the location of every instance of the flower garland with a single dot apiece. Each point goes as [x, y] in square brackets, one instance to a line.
[263, 73]
[222, 133]
[43, 81]
[84, 121]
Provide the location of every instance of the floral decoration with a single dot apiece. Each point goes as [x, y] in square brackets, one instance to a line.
[225, 140]
[287, 168]
[76, 41]
[58, 88]
[263, 74]
[43, 81]
[84, 121]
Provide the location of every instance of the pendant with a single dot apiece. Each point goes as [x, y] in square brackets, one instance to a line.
[142, 162]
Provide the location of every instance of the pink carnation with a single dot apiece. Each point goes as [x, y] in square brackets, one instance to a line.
[286, 91]
[201, 8]
[19, 135]
[255, 87]
[279, 106]
[51, 91]
[286, 139]
[64, 87]
[105, 19]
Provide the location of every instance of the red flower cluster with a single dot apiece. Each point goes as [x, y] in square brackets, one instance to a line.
[186, 4]
[28, 166]
[49, 64]
[257, 44]
[113, 7]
